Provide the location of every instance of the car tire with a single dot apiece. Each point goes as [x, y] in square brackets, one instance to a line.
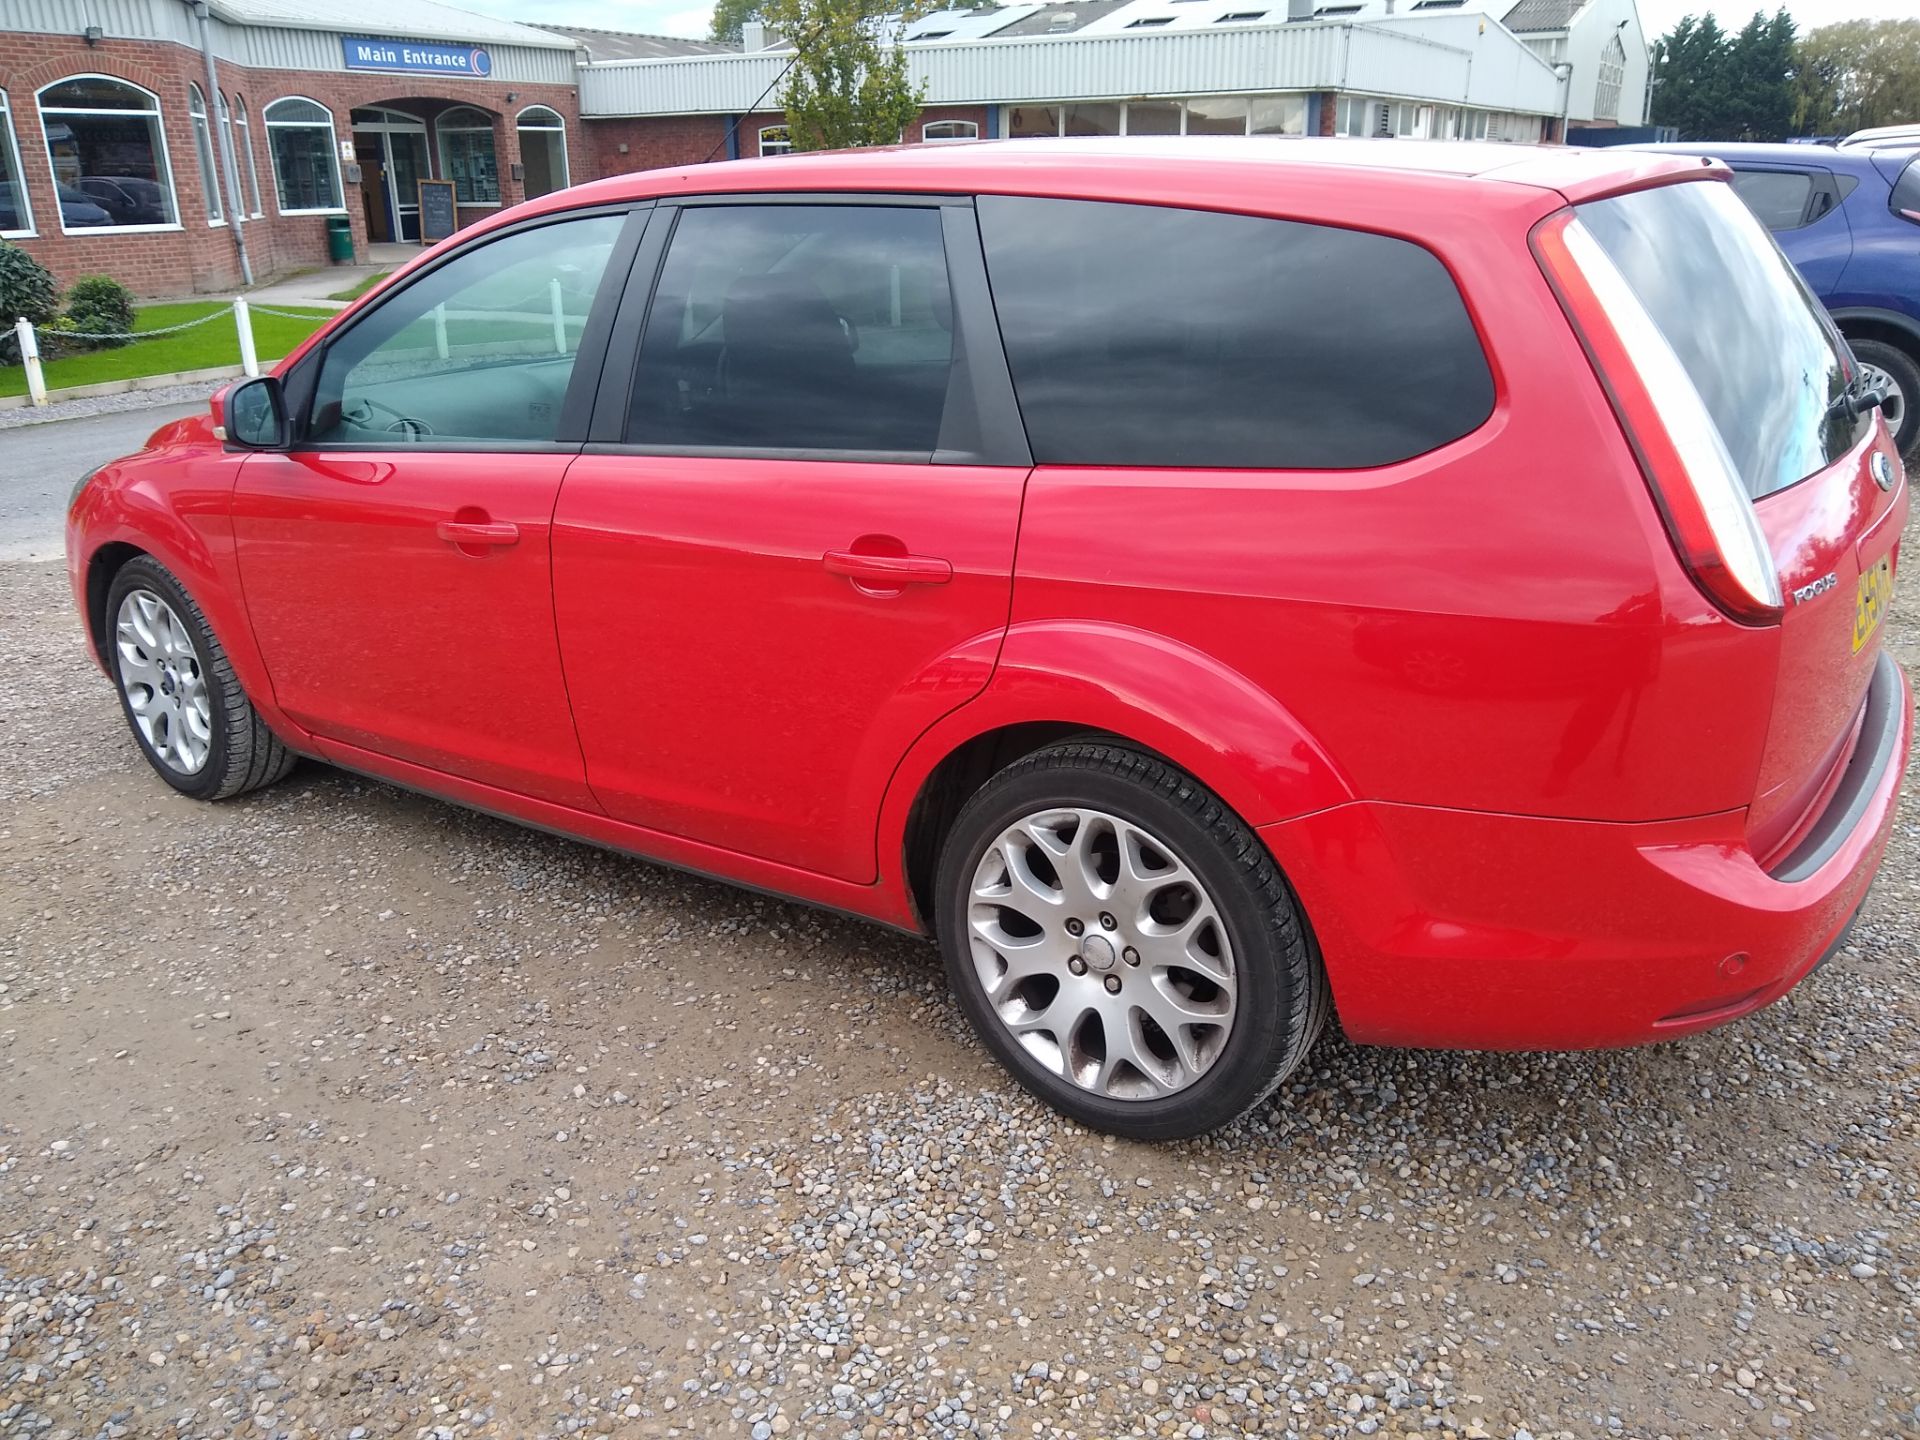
[178, 691]
[1191, 988]
[1903, 406]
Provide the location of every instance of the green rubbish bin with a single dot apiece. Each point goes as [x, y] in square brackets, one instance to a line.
[339, 240]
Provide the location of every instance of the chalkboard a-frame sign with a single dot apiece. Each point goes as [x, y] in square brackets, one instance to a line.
[437, 219]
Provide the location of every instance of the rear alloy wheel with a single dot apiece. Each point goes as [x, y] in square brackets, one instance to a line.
[185, 707]
[1886, 367]
[1125, 944]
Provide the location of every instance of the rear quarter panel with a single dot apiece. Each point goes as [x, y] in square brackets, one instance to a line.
[1498, 625]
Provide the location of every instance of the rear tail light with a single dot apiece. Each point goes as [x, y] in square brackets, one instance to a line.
[1693, 479]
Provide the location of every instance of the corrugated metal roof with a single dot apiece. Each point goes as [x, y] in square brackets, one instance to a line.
[419, 19]
[634, 45]
[1062, 19]
[968, 24]
[1542, 14]
[1492, 70]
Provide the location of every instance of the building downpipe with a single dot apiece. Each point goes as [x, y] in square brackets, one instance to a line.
[220, 142]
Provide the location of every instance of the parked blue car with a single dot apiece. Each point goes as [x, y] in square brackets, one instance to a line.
[1849, 218]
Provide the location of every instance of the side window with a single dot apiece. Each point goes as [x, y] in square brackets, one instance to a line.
[809, 327]
[1778, 197]
[480, 349]
[1143, 335]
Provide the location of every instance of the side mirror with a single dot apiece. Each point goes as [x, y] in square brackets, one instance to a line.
[254, 414]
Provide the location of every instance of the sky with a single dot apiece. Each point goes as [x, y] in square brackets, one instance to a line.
[689, 17]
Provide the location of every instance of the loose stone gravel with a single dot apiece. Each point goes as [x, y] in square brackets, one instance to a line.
[108, 404]
[334, 1111]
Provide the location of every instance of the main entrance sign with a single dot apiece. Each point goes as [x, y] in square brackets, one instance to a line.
[416, 57]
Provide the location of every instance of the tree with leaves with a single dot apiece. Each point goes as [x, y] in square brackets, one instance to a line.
[1857, 74]
[1718, 86]
[847, 84]
[731, 16]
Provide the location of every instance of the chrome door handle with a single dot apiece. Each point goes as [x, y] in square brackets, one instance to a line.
[477, 532]
[889, 571]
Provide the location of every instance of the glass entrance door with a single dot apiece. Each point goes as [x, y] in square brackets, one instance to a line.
[406, 167]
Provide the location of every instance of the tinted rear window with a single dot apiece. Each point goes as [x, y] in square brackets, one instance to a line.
[1778, 197]
[1143, 335]
[1905, 200]
[1747, 331]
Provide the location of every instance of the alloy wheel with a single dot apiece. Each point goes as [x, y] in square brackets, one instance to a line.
[1102, 954]
[161, 675]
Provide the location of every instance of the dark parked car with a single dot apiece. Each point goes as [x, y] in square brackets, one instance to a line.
[1849, 219]
[76, 211]
[129, 199]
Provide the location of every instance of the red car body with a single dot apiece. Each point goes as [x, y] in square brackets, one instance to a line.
[1532, 786]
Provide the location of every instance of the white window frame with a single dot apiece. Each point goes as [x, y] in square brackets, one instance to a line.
[159, 129]
[23, 202]
[558, 127]
[775, 140]
[441, 129]
[242, 130]
[970, 129]
[333, 154]
[206, 155]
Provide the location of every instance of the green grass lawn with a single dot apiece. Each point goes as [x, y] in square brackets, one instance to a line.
[200, 348]
[357, 291]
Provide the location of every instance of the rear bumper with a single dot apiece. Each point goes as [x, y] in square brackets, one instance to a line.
[1462, 929]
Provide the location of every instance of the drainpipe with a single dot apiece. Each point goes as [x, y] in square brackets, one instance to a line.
[221, 143]
[1565, 67]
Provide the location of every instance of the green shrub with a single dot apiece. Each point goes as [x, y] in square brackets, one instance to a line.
[99, 304]
[27, 292]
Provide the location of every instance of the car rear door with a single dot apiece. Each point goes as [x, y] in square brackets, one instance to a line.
[1801, 205]
[788, 547]
[396, 557]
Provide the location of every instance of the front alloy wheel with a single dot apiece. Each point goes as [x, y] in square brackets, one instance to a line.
[164, 685]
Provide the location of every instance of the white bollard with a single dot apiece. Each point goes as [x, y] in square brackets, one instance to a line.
[559, 317]
[440, 331]
[30, 358]
[243, 323]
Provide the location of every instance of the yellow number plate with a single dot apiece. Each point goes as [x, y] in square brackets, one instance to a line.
[1870, 605]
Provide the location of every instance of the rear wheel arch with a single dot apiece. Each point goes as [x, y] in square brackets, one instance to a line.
[1887, 327]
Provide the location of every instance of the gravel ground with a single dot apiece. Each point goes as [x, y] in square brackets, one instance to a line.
[339, 1112]
[193, 394]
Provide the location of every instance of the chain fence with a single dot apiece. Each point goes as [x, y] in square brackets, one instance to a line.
[28, 339]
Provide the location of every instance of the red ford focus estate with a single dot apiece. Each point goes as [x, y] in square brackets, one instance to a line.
[1203, 584]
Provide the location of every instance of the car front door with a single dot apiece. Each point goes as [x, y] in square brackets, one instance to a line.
[788, 547]
[396, 558]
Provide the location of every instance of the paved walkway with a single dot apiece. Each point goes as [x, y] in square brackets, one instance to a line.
[313, 288]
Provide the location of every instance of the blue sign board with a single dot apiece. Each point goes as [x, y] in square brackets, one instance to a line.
[417, 57]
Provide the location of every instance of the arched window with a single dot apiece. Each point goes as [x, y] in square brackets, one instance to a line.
[776, 140]
[16, 214]
[543, 150]
[306, 168]
[466, 155]
[243, 152]
[941, 132]
[203, 148]
[1613, 71]
[108, 154]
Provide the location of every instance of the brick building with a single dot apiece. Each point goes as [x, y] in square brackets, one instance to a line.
[121, 154]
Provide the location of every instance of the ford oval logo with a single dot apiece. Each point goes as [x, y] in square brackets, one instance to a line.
[1882, 469]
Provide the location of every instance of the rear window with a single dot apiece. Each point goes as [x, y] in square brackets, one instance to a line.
[1778, 197]
[1745, 328]
[1144, 335]
[1905, 200]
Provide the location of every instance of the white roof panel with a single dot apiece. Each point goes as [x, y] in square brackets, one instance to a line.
[405, 19]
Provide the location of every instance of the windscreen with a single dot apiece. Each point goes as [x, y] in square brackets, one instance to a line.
[1748, 333]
